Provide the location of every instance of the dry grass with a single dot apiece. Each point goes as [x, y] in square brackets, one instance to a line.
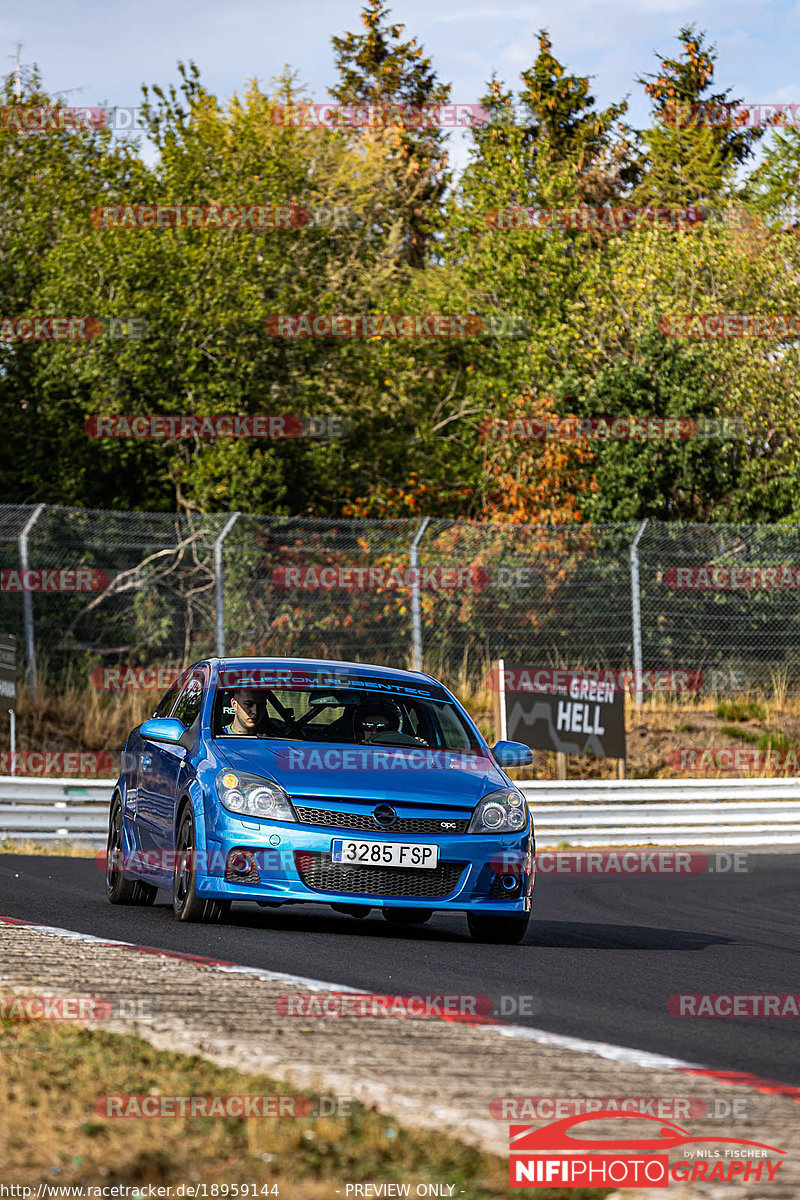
[82, 718]
[55, 848]
[50, 1132]
[664, 723]
[79, 717]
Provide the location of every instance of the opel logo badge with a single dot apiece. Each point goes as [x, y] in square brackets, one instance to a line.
[384, 815]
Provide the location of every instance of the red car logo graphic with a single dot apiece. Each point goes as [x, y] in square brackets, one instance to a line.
[526, 1139]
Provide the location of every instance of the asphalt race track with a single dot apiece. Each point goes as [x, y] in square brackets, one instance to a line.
[600, 961]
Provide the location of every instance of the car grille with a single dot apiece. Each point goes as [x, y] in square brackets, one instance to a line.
[318, 872]
[365, 820]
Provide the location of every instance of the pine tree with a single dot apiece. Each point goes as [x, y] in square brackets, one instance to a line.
[556, 147]
[575, 152]
[378, 68]
[774, 187]
[687, 158]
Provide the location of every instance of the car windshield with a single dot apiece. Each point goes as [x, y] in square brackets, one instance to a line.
[367, 712]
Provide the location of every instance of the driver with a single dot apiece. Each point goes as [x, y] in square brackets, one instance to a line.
[376, 717]
[249, 710]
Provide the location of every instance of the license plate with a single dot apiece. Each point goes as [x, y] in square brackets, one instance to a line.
[384, 854]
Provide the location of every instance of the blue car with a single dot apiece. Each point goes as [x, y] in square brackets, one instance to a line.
[282, 781]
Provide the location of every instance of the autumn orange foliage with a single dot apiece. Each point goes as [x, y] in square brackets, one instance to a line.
[534, 482]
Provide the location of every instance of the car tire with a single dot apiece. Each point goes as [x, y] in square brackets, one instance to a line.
[503, 931]
[407, 916]
[120, 890]
[186, 904]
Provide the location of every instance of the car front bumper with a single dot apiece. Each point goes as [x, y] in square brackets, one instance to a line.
[292, 863]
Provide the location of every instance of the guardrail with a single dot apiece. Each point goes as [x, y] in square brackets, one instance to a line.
[657, 791]
[665, 812]
[630, 812]
[74, 810]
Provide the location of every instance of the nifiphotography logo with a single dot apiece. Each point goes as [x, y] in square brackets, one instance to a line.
[550, 1156]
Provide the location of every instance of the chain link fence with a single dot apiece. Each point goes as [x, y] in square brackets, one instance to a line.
[88, 591]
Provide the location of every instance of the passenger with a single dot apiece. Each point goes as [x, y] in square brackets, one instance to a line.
[377, 717]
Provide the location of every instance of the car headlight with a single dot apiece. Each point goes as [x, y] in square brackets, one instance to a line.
[252, 796]
[504, 811]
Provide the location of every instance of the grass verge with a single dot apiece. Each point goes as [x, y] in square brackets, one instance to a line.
[50, 1132]
[53, 849]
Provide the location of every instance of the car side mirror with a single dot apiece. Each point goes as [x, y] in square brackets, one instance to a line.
[512, 754]
[162, 729]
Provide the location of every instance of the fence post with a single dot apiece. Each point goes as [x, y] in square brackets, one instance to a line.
[219, 586]
[498, 668]
[416, 608]
[27, 600]
[636, 612]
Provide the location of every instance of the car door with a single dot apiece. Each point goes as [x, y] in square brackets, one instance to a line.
[139, 759]
[160, 766]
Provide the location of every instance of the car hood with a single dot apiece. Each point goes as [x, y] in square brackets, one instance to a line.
[389, 773]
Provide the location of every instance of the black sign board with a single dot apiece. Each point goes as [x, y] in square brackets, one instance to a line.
[570, 712]
[8, 672]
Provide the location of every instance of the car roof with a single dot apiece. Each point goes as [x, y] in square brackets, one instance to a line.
[353, 668]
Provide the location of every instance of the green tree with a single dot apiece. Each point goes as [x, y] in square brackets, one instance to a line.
[773, 189]
[560, 152]
[206, 296]
[629, 286]
[668, 480]
[550, 144]
[687, 158]
[377, 68]
[574, 152]
[48, 181]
